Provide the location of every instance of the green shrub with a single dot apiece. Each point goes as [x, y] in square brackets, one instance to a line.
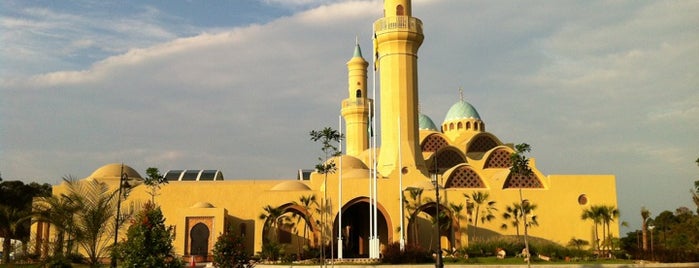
[149, 242]
[412, 254]
[229, 251]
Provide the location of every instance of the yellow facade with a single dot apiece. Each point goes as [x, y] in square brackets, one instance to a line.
[463, 155]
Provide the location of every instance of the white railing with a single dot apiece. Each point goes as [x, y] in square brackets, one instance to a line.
[398, 23]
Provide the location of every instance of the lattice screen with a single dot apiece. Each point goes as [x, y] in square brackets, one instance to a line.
[500, 158]
[481, 144]
[519, 181]
[464, 177]
[434, 143]
[447, 159]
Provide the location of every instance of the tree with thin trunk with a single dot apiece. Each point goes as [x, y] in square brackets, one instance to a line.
[307, 202]
[272, 217]
[609, 213]
[645, 215]
[154, 180]
[480, 200]
[594, 213]
[520, 166]
[11, 220]
[456, 212]
[328, 137]
[415, 195]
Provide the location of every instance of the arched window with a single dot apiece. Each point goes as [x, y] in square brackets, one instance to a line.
[459, 125]
[475, 126]
[358, 94]
[482, 126]
[400, 10]
[451, 126]
[468, 125]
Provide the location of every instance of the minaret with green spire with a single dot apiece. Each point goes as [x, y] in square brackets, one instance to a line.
[398, 37]
[355, 109]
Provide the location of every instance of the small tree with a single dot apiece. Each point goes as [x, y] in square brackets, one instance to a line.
[149, 241]
[229, 251]
[327, 137]
[153, 181]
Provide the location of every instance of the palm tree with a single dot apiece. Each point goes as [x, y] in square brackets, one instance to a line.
[480, 199]
[594, 213]
[514, 213]
[645, 215]
[456, 212]
[11, 220]
[412, 207]
[307, 202]
[273, 217]
[97, 207]
[609, 213]
[59, 212]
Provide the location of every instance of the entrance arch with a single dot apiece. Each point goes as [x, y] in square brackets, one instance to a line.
[422, 232]
[200, 240]
[355, 227]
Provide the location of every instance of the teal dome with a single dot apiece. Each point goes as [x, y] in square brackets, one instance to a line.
[461, 110]
[425, 123]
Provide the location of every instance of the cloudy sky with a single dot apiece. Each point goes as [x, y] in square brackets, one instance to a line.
[599, 87]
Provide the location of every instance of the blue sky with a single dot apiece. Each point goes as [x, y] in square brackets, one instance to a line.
[596, 87]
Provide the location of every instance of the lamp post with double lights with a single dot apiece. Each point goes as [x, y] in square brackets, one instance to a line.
[123, 183]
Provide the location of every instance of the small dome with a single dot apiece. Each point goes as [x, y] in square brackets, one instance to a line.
[113, 171]
[291, 186]
[426, 123]
[348, 162]
[202, 205]
[461, 110]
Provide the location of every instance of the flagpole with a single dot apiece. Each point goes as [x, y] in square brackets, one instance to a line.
[339, 197]
[372, 244]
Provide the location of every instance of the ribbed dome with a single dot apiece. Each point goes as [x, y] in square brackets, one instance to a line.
[426, 123]
[461, 110]
[113, 171]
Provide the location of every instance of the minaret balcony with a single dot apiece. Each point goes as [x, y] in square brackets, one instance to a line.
[358, 102]
[404, 23]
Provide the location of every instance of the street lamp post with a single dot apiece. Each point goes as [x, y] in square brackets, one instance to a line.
[123, 183]
[438, 262]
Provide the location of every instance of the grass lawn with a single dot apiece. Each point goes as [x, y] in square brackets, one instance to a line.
[520, 261]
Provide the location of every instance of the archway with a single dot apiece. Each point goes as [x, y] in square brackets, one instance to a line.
[421, 229]
[200, 240]
[355, 228]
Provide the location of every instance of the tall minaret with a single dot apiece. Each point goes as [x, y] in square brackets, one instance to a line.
[355, 109]
[398, 37]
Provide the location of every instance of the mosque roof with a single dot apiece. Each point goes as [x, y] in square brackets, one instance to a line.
[290, 186]
[113, 171]
[461, 110]
[426, 123]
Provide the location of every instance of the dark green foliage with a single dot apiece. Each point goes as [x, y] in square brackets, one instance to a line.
[271, 251]
[412, 254]
[149, 242]
[229, 251]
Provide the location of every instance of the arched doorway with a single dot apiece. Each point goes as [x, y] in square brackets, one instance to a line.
[422, 231]
[355, 228]
[200, 240]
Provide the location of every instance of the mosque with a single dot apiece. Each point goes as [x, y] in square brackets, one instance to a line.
[380, 195]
